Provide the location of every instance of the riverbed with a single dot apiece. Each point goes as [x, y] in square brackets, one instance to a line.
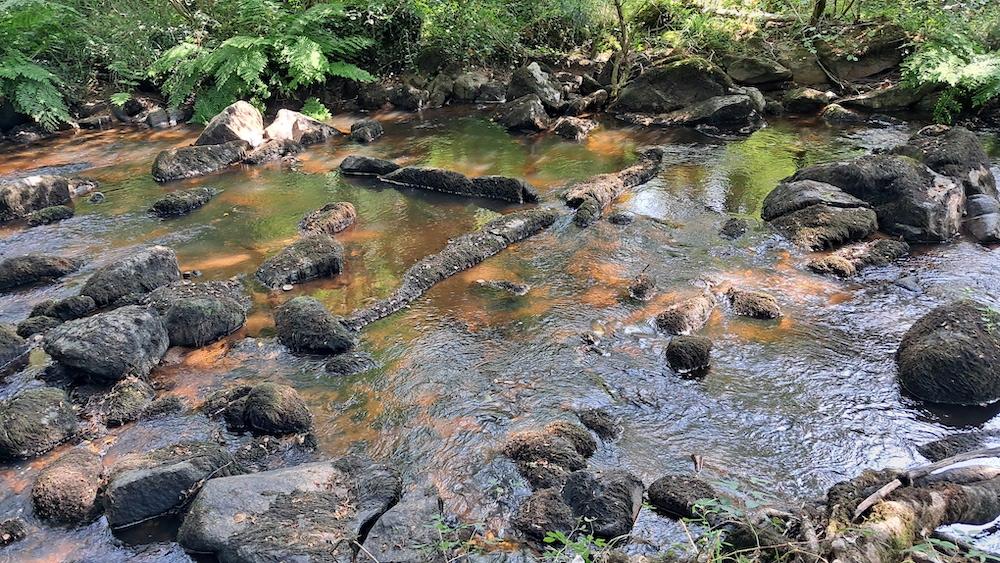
[788, 407]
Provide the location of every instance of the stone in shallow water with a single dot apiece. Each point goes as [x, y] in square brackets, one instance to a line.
[687, 354]
[754, 304]
[265, 408]
[310, 512]
[12, 530]
[350, 363]
[405, 530]
[600, 421]
[126, 401]
[366, 130]
[191, 162]
[34, 421]
[49, 215]
[686, 316]
[543, 512]
[182, 202]
[360, 165]
[820, 226]
[524, 114]
[237, 122]
[66, 491]
[676, 495]
[294, 126]
[18, 198]
[330, 219]
[310, 257]
[136, 274]
[304, 325]
[20, 271]
[606, 500]
[543, 458]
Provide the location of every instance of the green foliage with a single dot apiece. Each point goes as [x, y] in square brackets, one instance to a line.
[263, 48]
[934, 549]
[119, 99]
[315, 109]
[454, 542]
[561, 547]
[968, 75]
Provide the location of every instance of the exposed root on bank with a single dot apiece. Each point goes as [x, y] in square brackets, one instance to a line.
[460, 254]
[593, 196]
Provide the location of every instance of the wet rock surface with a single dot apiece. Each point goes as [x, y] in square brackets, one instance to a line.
[689, 354]
[734, 112]
[524, 114]
[134, 275]
[544, 512]
[531, 80]
[19, 198]
[405, 530]
[983, 218]
[238, 122]
[191, 162]
[34, 421]
[676, 495]
[330, 219]
[606, 500]
[67, 309]
[147, 485]
[734, 228]
[545, 458]
[12, 530]
[49, 215]
[687, 316]
[310, 257]
[196, 314]
[272, 150]
[949, 354]
[13, 349]
[955, 152]
[753, 304]
[366, 130]
[265, 408]
[350, 363]
[963, 442]
[66, 491]
[821, 226]
[126, 401]
[182, 202]
[305, 325]
[592, 197]
[310, 512]
[600, 422]
[805, 100]
[789, 197]
[849, 260]
[674, 86]
[110, 346]
[360, 165]
[574, 128]
[20, 271]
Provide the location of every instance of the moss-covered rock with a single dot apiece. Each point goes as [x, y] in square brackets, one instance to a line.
[182, 202]
[543, 458]
[674, 85]
[66, 491]
[687, 354]
[676, 495]
[20, 271]
[13, 350]
[606, 501]
[34, 421]
[309, 257]
[266, 408]
[36, 325]
[52, 214]
[686, 316]
[136, 274]
[753, 304]
[543, 512]
[822, 226]
[126, 401]
[305, 325]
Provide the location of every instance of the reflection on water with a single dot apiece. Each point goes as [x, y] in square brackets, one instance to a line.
[793, 405]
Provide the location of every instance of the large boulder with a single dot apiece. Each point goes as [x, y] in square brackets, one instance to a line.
[182, 202]
[402, 533]
[309, 257]
[110, 346]
[950, 355]
[132, 276]
[863, 51]
[305, 325]
[330, 219]
[532, 80]
[30, 269]
[822, 226]
[291, 125]
[66, 491]
[147, 485]
[955, 152]
[366, 130]
[34, 421]
[466, 86]
[19, 198]
[674, 86]
[524, 114]
[196, 314]
[238, 122]
[191, 162]
[606, 501]
[310, 512]
[789, 197]
[360, 165]
[910, 199]
[735, 111]
[757, 71]
[265, 408]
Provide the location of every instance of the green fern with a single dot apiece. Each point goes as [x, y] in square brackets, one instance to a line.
[33, 91]
[315, 109]
[969, 76]
[276, 50]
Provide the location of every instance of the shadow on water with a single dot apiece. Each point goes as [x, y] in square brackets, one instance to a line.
[788, 406]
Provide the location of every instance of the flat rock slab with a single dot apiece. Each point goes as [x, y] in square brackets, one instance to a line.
[818, 227]
[360, 165]
[310, 257]
[312, 512]
[788, 197]
[19, 271]
[191, 162]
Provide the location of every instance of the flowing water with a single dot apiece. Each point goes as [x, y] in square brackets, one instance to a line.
[788, 408]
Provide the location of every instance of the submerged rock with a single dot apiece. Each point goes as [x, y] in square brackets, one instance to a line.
[806, 100]
[19, 198]
[960, 443]
[673, 86]
[330, 219]
[136, 274]
[686, 316]
[451, 182]
[366, 130]
[850, 260]
[238, 122]
[110, 346]
[642, 288]
[688, 354]
[607, 501]
[291, 125]
[505, 286]
[950, 355]
[524, 114]
[34, 421]
[310, 257]
[191, 162]
[600, 422]
[304, 325]
[20, 271]
[265, 408]
[677, 495]
[310, 512]
[910, 199]
[734, 228]
[543, 512]
[182, 202]
[504, 188]
[66, 491]
[147, 485]
[545, 459]
[13, 350]
[126, 401]
[360, 165]
[574, 128]
[592, 196]
[50, 215]
[531, 80]
[753, 304]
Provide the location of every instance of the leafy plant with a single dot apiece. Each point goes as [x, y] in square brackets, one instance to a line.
[969, 76]
[455, 541]
[315, 109]
[267, 48]
[561, 546]
[935, 549]
[119, 99]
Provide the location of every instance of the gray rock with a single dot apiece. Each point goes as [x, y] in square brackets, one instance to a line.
[405, 530]
[821, 226]
[543, 512]
[66, 491]
[12, 530]
[165, 118]
[372, 96]
[136, 274]
[408, 97]
[673, 86]
[532, 80]
[836, 114]
[686, 316]
[789, 197]
[731, 112]
[358, 165]
[677, 495]
[19, 198]
[330, 219]
[955, 152]
[467, 85]
[492, 93]
[20, 271]
[148, 485]
[545, 459]
[310, 512]
[304, 325]
[524, 114]
[310, 257]
[49, 215]
[265, 408]
[293, 126]
[848, 261]
[574, 128]
[238, 122]
[34, 421]
[13, 350]
[366, 130]
[191, 162]
[182, 202]
[757, 71]
[196, 314]
[110, 346]
[273, 149]
[898, 97]
[36, 325]
[590, 103]
[753, 304]
[806, 100]
[608, 501]
[126, 401]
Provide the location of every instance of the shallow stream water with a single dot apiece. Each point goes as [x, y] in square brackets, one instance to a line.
[788, 407]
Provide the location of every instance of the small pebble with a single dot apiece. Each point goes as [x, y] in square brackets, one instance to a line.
[287, 287]
[96, 197]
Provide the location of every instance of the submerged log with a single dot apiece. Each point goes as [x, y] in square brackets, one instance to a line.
[460, 254]
[591, 197]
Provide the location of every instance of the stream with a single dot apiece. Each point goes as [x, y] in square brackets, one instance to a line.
[788, 408]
